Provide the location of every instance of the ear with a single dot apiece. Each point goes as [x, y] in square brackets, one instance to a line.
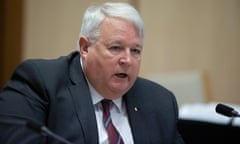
[84, 44]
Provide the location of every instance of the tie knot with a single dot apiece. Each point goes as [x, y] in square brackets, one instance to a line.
[106, 104]
[106, 101]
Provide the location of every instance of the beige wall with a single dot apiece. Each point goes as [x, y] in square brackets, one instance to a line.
[181, 35]
[185, 35]
[51, 27]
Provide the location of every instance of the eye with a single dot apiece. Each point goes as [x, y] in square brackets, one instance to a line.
[115, 49]
[136, 51]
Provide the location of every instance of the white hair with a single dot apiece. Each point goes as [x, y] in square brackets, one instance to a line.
[95, 14]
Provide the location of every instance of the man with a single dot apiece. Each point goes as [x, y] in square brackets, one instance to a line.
[68, 94]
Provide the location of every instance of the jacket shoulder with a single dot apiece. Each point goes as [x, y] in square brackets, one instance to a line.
[146, 84]
[151, 92]
[39, 72]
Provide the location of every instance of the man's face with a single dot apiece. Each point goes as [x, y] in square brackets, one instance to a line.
[112, 63]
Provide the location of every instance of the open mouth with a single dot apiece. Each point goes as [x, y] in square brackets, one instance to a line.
[121, 75]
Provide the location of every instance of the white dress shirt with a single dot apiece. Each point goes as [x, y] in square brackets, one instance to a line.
[119, 118]
[118, 114]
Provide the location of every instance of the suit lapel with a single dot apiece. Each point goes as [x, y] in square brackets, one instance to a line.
[136, 118]
[85, 113]
[82, 102]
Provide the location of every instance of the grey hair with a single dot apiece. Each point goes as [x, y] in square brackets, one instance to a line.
[95, 14]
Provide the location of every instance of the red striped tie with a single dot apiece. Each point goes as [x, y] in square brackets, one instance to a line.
[113, 135]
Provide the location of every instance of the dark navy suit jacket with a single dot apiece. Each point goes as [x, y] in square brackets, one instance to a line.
[55, 93]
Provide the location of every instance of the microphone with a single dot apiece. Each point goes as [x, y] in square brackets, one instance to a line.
[226, 111]
[43, 130]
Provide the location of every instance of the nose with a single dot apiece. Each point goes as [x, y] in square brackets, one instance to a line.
[125, 58]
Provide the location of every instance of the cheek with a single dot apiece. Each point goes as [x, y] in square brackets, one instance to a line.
[137, 66]
[100, 65]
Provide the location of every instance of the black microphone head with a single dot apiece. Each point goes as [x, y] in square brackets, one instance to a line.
[36, 127]
[225, 110]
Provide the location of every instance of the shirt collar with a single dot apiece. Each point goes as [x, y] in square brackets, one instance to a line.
[97, 98]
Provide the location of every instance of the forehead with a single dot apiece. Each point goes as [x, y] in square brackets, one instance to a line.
[118, 28]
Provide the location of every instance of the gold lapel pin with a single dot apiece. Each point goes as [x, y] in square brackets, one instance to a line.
[135, 109]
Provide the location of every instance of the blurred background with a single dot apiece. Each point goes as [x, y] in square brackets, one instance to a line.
[191, 46]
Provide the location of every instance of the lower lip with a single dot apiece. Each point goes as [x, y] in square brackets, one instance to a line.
[121, 77]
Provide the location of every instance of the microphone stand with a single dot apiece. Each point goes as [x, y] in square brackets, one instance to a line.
[43, 130]
[230, 123]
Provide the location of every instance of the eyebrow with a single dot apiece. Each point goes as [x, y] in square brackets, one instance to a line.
[139, 46]
[110, 42]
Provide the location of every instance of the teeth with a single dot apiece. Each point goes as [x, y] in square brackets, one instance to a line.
[121, 75]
